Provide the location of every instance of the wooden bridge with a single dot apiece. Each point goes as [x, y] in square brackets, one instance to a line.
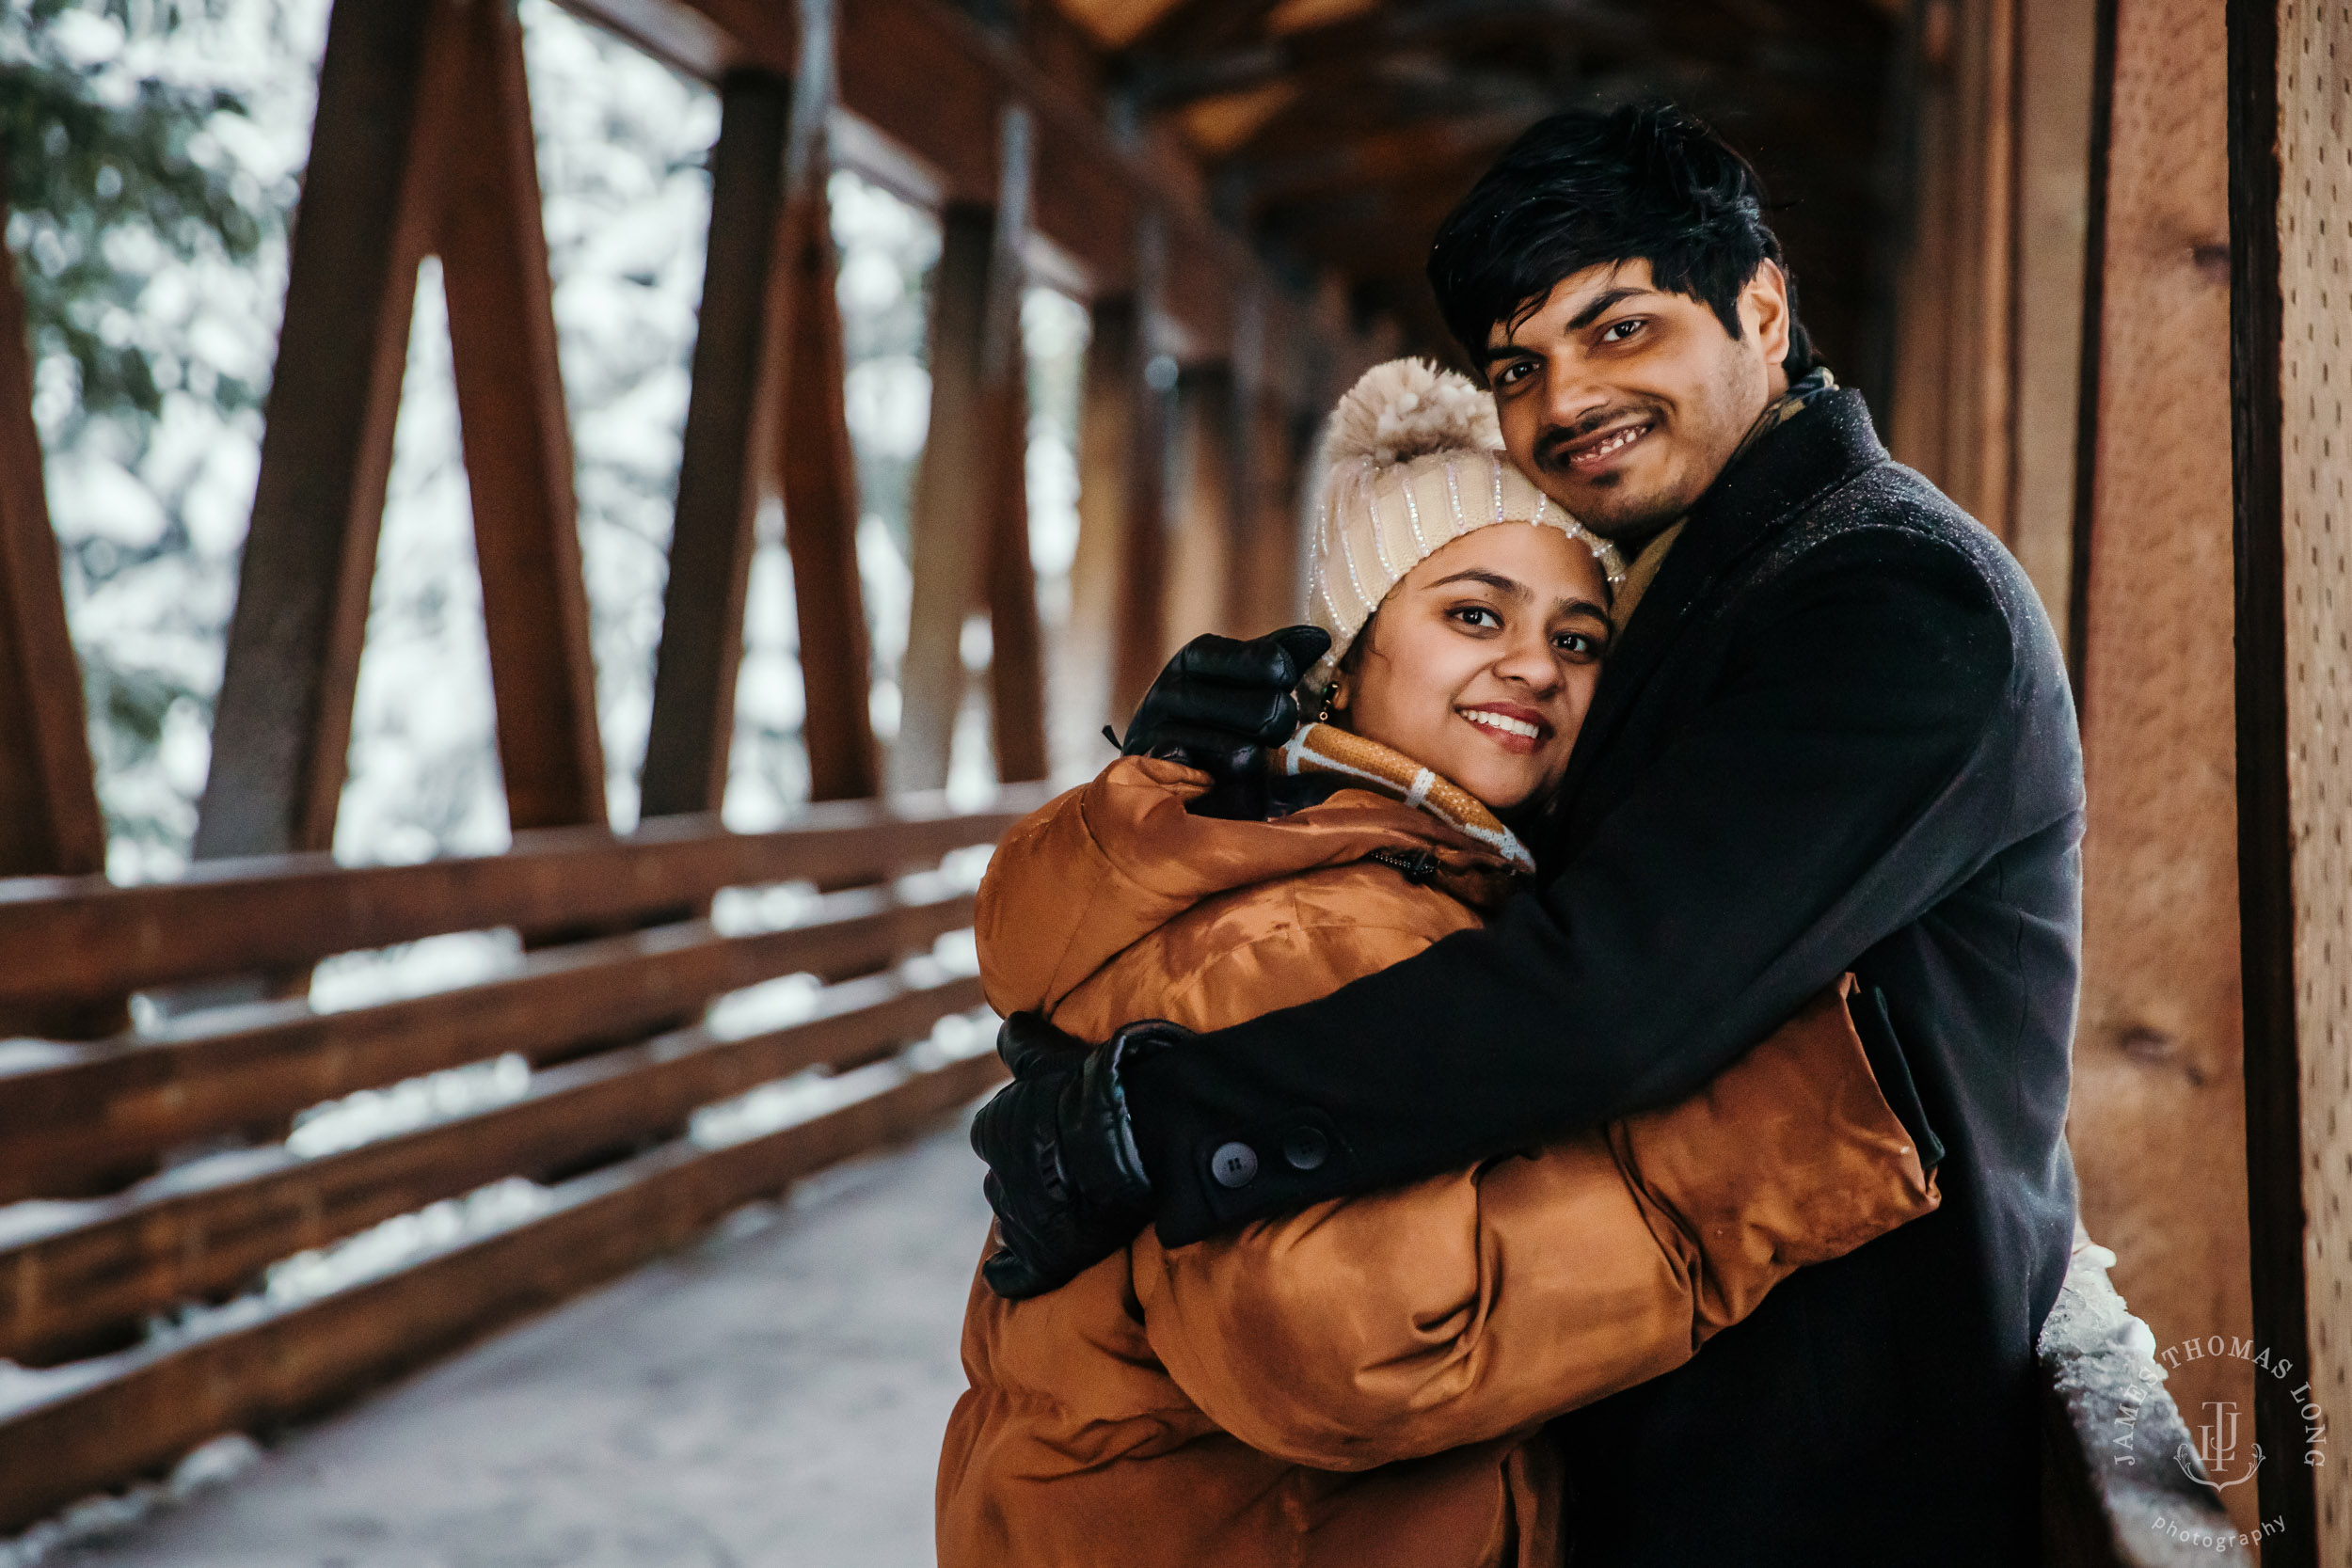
[2012, 225]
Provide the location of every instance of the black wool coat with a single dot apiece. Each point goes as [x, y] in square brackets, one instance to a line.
[1836, 733]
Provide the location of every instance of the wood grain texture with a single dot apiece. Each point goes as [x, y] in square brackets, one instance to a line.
[154, 1405]
[150, 1248]
[2158, 1118]
[69, 1116]
[2290, 94]
[281, 726]
[517, 437]
[75, 939]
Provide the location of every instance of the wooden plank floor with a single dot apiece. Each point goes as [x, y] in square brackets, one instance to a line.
[772, 1398]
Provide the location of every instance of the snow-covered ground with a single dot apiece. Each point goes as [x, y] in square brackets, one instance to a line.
[772, 1398]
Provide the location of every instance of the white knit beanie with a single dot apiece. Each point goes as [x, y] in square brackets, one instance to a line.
[1413, 461]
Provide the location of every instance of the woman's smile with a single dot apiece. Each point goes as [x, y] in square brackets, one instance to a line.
[1520, 731]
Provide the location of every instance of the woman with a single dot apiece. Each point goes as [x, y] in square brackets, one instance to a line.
[1364, 1382]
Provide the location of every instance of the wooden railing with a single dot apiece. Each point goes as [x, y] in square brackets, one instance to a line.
[621, 1060]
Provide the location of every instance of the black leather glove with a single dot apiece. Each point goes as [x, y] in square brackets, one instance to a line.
[1063, 1175]
[1220, 705]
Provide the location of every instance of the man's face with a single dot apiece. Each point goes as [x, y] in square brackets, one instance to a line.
[1623, 402]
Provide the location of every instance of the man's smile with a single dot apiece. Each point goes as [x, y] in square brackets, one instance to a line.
[1589, 455]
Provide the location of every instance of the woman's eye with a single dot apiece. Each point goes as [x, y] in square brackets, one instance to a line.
[1479, 616]
[1578, 644]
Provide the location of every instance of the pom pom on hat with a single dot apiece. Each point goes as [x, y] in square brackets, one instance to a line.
[1409, 408]
[1413, 460]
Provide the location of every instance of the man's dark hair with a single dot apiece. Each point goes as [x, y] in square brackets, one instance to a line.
[1587, 188]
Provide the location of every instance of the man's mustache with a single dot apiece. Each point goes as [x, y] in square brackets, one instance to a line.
[1553, 442]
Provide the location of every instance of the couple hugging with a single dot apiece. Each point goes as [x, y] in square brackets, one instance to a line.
[1593, 1091]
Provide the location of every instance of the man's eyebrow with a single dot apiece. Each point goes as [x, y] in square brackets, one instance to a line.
[1507, 586]
[1605, 300]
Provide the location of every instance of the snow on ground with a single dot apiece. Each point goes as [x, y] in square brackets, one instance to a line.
[772, 1398]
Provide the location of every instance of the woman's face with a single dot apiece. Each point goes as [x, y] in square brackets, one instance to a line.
[1482, 662]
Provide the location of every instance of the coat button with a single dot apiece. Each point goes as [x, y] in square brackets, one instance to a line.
[1234, 1164]
[1305, 1148]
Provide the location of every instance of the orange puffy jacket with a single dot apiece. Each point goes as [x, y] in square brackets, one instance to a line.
[1362, 1383]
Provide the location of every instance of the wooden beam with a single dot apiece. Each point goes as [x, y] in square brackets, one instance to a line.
[1016, 665]
[729, 415]
[2289, 202]
[281, 727]
[80, 939]
[818, 478]
[1016, 668]
[2158, 1045]
[517, 440]
[962, 495]
[49, 818]
[2056, 51]
[73, 1120]
[197, 1240]
[1953, 415]
[1266, 587]
[1106, 419]
[1203, 558]
[937, 84]
[1141, 635]
[299, 1360]
[947, 515]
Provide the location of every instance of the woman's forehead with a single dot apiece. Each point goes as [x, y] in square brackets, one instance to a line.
[1549, 563]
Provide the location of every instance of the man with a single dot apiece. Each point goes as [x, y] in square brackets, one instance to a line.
[1833, 734]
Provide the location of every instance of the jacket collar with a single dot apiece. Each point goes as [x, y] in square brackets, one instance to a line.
[1759, 493]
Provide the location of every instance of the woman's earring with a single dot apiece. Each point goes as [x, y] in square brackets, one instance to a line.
[1325, 717]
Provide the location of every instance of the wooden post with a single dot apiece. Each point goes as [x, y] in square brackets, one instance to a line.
[1267, 560]
[2290, 199]
[819, 470]
[1141, 629]
[728, 417]
[281, 728]
[1953, 415]
[49, 820]
[1200, 576]
[1106, 421]
[1016, 670]
[2157, 1106]
[1016, 666]
[2056, 63]
[517, 441]
[969, 517]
